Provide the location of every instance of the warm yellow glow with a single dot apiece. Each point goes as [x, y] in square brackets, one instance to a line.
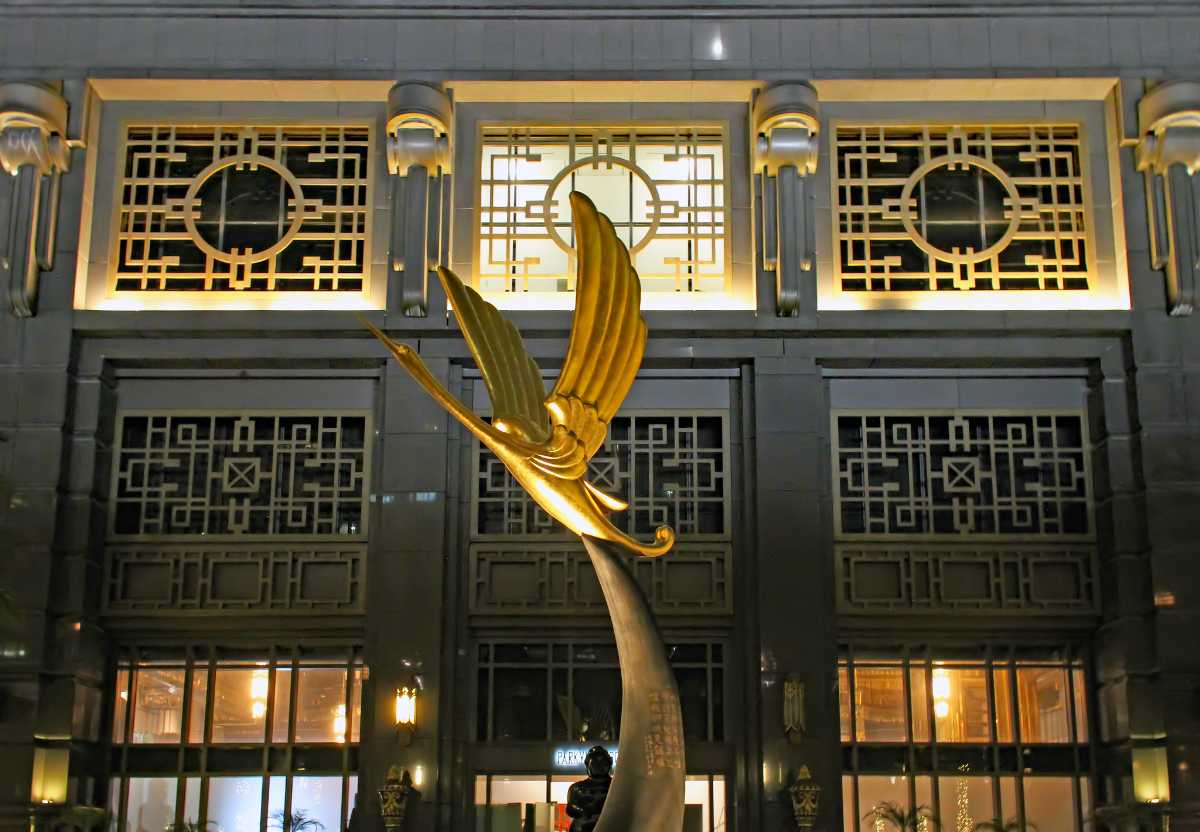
[406, 706]
[50, 767]
[258, 685]
[941, 709]
[258, 710]
[1150, 781]
[339, 723]
[418, 776]
[248, 301]
[941, 684]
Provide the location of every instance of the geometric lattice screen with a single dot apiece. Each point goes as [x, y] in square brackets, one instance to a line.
[664, 188]
[671, 467]
[964, 511]
[240, 474]
[220, 208]
[936, 209]
[955, 473]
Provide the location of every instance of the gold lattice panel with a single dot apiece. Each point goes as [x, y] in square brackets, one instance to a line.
[219, 208]
[950, 208]
[664, 189]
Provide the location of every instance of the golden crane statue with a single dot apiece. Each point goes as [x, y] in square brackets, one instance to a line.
[546, 441]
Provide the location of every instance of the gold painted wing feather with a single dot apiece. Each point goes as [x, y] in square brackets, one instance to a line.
[511, 375]
[608, 336]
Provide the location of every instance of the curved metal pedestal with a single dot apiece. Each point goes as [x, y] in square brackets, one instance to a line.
[647, 789]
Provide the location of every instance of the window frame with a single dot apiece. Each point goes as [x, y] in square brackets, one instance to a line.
[1102, 194]
[472, 118]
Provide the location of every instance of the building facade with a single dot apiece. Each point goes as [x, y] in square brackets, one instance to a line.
[919, 399]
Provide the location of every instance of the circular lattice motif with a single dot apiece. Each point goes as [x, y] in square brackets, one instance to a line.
[557, 198]
[244, 209]
[968, 209]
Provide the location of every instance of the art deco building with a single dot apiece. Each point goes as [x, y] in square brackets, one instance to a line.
[921, 399]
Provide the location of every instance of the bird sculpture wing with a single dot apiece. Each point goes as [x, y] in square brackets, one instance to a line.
[608, 336]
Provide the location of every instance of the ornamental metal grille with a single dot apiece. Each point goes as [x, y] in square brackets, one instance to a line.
[241, 474]
[663, 188]
[961, 207]
[939, 474]
[672, 468]
[243, 208]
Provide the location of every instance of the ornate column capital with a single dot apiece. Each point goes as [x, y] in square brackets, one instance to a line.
[420, 154]
[420, 125]
[786, 125]
[35, 152]
[787, 129]
[1169, 124]
[1168, 154]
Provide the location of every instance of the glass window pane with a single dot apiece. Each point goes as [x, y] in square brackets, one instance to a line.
[1009, 805]
[276, 798]
[849, 823]
[518, 790]
[234, 803]
[1042, 704]
[877, 792]
[151, 803]
[157, 704]
[356, 705]
[965, 801]
[1002, 681]
[844, 701]
[519, 707]
[240, 704]
[960, 705]
[114, 802]
[351, 796]
[319, 798]
[1079, 680]
[696, 793]
[199, 702]
[925, 804]
[120, 704]
[1049, 803]
[191, 799]
[720, 818]
[283, 700]
[918, 681]
[321, 705]
[879, 704]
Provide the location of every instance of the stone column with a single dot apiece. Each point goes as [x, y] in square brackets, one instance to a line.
[795, 598]
[786, 125]
[34, 151]
[1168, 154]
[420, 126]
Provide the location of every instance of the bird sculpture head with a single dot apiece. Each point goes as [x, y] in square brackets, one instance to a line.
[545, 441]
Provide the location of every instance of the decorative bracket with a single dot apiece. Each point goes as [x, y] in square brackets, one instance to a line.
[1168, 154]
[419, 156]
[35, 152]
[786, 125]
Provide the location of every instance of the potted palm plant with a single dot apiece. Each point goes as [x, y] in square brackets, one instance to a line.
[901, 819]
[297, 821]
[189, 826]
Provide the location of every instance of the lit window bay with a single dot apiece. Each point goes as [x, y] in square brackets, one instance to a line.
[949, 208]
[664, 188]
[219, 208]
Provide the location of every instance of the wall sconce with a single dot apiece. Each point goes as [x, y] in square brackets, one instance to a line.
[1168, 154]
[787, 125]
[405, 704]
[35, 152]
[419, 128]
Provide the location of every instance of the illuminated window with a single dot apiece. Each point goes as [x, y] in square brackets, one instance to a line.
[231, 700]
[229, 209]
[664, 188]
[976, 759]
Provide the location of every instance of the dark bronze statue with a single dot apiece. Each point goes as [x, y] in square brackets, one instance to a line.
[585, 799]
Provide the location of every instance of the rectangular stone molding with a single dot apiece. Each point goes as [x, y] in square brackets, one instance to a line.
[983, 578]
[553, 578]
[214, 578]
